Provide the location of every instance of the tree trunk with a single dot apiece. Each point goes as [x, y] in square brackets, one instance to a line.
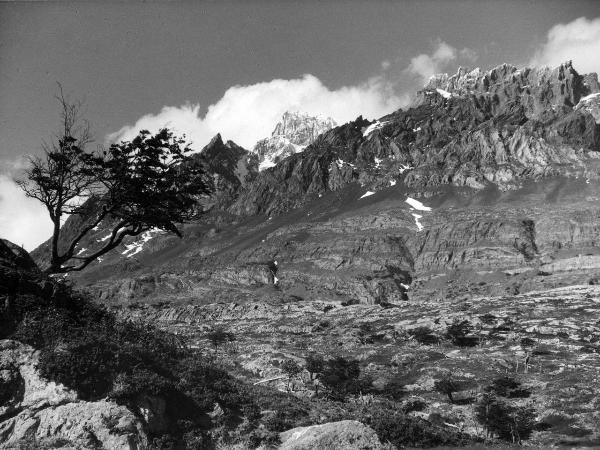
[54, 260]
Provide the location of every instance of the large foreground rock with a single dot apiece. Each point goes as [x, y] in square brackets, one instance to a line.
[346, 434]
[43, 414]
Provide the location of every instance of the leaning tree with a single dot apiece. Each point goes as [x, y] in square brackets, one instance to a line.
[132, 187]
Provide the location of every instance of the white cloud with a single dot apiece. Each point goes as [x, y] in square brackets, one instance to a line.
[246, 114]
[23, 220]
[578, 41]
[425, 65]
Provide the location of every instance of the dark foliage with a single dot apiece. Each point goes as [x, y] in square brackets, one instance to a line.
[341, 377]
[219, 336]
[459, 333]
[314, 365]
[508, 387]
[488, 319]
[424, 335]
[447, 386]
[394, 426]
[507, 421]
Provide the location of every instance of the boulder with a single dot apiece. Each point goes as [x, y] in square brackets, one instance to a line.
[38, 412]
[346, 434]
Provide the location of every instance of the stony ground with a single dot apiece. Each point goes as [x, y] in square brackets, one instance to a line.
[548, 340]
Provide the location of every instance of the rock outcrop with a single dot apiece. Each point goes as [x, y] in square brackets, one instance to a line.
[346, 434]
[42, 413]
[39, 413]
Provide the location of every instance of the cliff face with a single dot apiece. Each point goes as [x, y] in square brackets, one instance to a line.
[503, 165]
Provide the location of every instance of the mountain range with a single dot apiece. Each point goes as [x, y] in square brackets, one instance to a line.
[483, 151]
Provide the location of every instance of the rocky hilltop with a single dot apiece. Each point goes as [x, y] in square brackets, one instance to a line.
[291, 135]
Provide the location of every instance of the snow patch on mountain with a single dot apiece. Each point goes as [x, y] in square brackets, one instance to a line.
[591, 104]
[138, 245]
[367, 194]
[444, 93]
[374, 126]
[417, 222]
[416, 204]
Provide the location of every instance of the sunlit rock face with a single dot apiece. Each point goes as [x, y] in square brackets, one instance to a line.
[291, 135]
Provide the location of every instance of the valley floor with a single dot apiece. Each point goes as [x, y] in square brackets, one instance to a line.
[547, 340]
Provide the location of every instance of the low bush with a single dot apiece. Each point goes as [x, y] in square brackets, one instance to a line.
[424, 335]
[459, 333]
[447, 386]
[507, 421]
[508, 387]
[394, 426]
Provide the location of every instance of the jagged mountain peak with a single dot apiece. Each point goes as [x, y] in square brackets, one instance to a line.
[216, 140]
[291, 135]
[474, 80]
[538, 90]
[301, 127]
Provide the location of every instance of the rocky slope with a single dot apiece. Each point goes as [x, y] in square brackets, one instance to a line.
[39, 413]
[291, 135]
[546, 339]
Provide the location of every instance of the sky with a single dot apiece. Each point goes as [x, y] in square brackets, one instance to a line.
[234, 67]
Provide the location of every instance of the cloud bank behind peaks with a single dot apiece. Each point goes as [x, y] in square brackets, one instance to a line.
[425, 65]
[246, 114]
[578, 41]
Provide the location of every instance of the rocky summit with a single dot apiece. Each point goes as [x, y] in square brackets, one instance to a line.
[291, 135]
[477, 205]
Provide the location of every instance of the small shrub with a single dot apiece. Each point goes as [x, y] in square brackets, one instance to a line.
[424, 335]
[219, 336]
[459, 333]
[263, 438]
[341, 377]
[508, 422]
[447, 386]
[508, 387]
[395, 427]
[292, 369]
[488, 319]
